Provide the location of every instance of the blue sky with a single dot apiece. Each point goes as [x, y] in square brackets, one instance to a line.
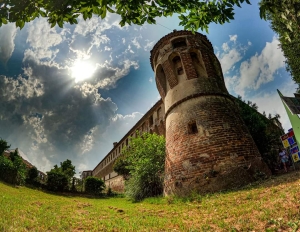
[52, 110]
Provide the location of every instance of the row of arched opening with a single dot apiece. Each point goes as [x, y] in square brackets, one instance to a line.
[177, 69]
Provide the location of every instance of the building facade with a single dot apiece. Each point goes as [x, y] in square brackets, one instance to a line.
[153, 122]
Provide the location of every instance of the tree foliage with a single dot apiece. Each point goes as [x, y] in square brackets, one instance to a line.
[12, 168]
[94, 185]
[57, 181]
[67, 168]
[60, 178]
[264, 133]
[3, 146]
[144, 162]
[284, 16]
[121, 166]
[194, 14]
[32, 176]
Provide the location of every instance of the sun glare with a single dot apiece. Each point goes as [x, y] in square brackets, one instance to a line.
[82, 70]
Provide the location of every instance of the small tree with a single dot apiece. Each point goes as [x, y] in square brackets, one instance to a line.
[68, 168]
[3, 146]
[94, 185]
[60, 178]
[19, 171]
[121, 166]
[145, 160]
[12, 169]
[57, 181]
[32, 175]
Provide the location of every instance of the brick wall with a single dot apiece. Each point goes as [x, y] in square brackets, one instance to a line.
[205, 135]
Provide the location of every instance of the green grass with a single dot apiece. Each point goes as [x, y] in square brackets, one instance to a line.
[271, 205]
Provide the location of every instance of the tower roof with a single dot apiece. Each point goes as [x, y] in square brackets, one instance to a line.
[175, 33]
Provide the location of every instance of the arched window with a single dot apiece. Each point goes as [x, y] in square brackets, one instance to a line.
[177, 65]
[198, 64]
[161, 78]
[180, 42]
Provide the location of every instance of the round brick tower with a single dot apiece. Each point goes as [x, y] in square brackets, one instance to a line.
[208, 146]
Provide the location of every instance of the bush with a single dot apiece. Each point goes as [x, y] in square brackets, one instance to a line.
[94, 185]
[32, 175]
[57, 181]
[13, 169]
[61, 178]
[3, 146]
[145, 160]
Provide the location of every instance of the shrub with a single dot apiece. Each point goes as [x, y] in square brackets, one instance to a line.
[32, 174]
[94, 185]
[145, 160]
[13, 169]
[61, 178]
[57, 181]
[3, 146]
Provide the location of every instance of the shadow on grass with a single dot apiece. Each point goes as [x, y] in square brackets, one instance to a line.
[65, 194]
[273, 181]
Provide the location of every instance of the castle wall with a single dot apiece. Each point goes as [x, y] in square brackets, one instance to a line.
[152, 122]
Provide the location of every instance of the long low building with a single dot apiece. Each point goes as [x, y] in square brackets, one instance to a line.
[153, 122]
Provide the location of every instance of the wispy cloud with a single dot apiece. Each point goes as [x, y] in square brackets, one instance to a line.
[260, 68]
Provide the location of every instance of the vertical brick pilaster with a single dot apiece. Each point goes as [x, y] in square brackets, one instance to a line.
[171, 77]
[188, 65]
[210, 69]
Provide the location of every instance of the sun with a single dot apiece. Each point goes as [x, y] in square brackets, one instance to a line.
[82, 70]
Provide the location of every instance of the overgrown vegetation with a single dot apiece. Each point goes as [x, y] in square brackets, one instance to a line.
[12, 168]
[269, 205]
[263, 131]
[94, 185]
[284, 16]
[142, 164]
[193, 14]
[61, 178]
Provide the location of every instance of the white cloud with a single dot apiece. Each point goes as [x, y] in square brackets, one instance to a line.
[136, 43]
[232, 53]
[260, 68]
[271, 103]
[233, 38]
[107, 75]
[229, 58]
[7, 36]
[225, 47]
[149, 45]
[16, 89]
[151, 79]
[96, 25]
[41, 37]
[249, 43]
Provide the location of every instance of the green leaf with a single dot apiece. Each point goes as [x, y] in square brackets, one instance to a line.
[53, 24]
[4, 21]
[60, 23]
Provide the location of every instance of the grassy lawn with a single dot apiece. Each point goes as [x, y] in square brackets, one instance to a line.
[271, 205]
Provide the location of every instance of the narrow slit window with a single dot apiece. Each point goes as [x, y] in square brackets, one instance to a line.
[179, 43]
[178, 65]
[192, 128]
[180, 71]
[151, 120]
